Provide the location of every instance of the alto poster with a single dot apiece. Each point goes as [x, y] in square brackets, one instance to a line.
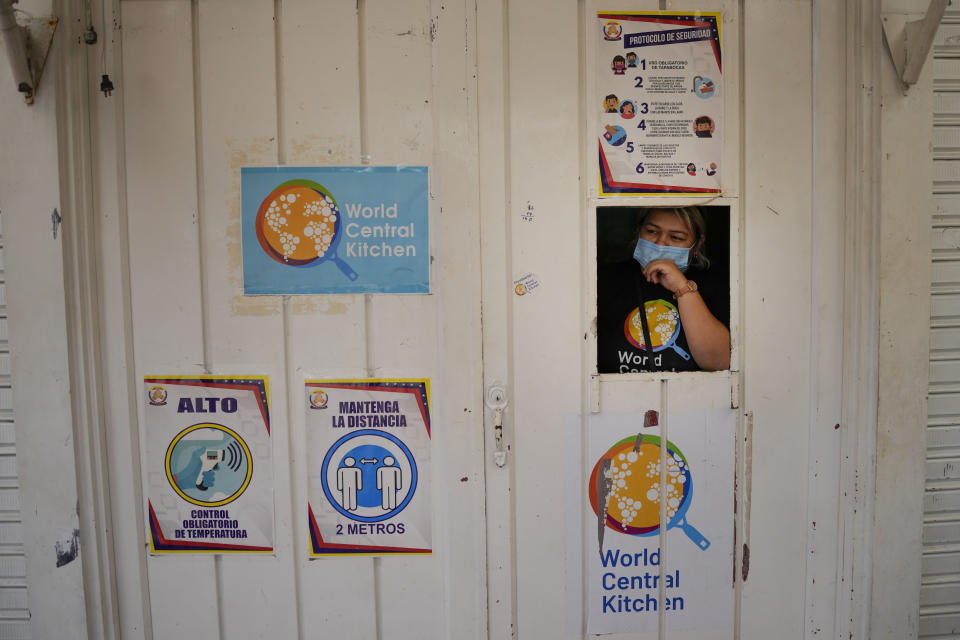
[368, 466]
[335, 230]
[209, 462]
[658, 103]
[630, 576]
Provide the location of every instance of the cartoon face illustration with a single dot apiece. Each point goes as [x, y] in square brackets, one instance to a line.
[627, 110]
[692, 169]
[631, 59]
[610, 103]
[703, 127]
[618, 65]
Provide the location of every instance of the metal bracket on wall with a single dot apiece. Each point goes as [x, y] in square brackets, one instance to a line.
[909, 43]
[27, 46]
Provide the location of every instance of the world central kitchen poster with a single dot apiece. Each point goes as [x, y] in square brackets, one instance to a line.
[661, 515]
[312, 230]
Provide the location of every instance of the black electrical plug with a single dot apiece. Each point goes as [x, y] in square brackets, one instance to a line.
[106, 85]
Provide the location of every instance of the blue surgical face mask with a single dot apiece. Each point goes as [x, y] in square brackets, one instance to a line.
[646, 252]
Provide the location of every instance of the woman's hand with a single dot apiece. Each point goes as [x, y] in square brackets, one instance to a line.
[666, 274]
[707, 337]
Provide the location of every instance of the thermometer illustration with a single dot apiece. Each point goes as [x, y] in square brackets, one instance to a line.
[210, 461]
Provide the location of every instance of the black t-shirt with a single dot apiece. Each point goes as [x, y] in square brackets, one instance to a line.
[620, 341]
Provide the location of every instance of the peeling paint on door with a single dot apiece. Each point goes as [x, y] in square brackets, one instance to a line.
[67, 546]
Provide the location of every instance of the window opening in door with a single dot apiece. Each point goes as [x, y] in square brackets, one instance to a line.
[675, 263]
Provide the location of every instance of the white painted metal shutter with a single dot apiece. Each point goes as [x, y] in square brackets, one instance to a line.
[14, 615]
[940, 583]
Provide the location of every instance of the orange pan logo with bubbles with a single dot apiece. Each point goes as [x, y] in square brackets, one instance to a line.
[298, 223]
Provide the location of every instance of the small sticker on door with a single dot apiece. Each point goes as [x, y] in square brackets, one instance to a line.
[525, 285]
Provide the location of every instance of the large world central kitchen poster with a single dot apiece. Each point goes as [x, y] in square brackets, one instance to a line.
[310, 230]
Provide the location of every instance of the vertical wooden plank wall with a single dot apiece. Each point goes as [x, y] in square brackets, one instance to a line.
[237, 120]
[397, 78]
[167, 302]
[495, 294]
[319, 109]
[459, 490]
[544, 156]
[903, 471]
[778, 294]
[120, 390]
[827, 222]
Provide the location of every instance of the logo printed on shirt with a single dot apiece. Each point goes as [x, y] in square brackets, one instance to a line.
[663, 319]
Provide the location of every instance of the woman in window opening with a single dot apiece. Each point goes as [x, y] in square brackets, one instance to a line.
[686, 303]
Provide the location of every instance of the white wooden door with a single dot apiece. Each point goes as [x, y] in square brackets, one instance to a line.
[208, 88]
[539, 155]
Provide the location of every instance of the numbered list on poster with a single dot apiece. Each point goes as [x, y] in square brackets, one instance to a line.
[659, 98]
